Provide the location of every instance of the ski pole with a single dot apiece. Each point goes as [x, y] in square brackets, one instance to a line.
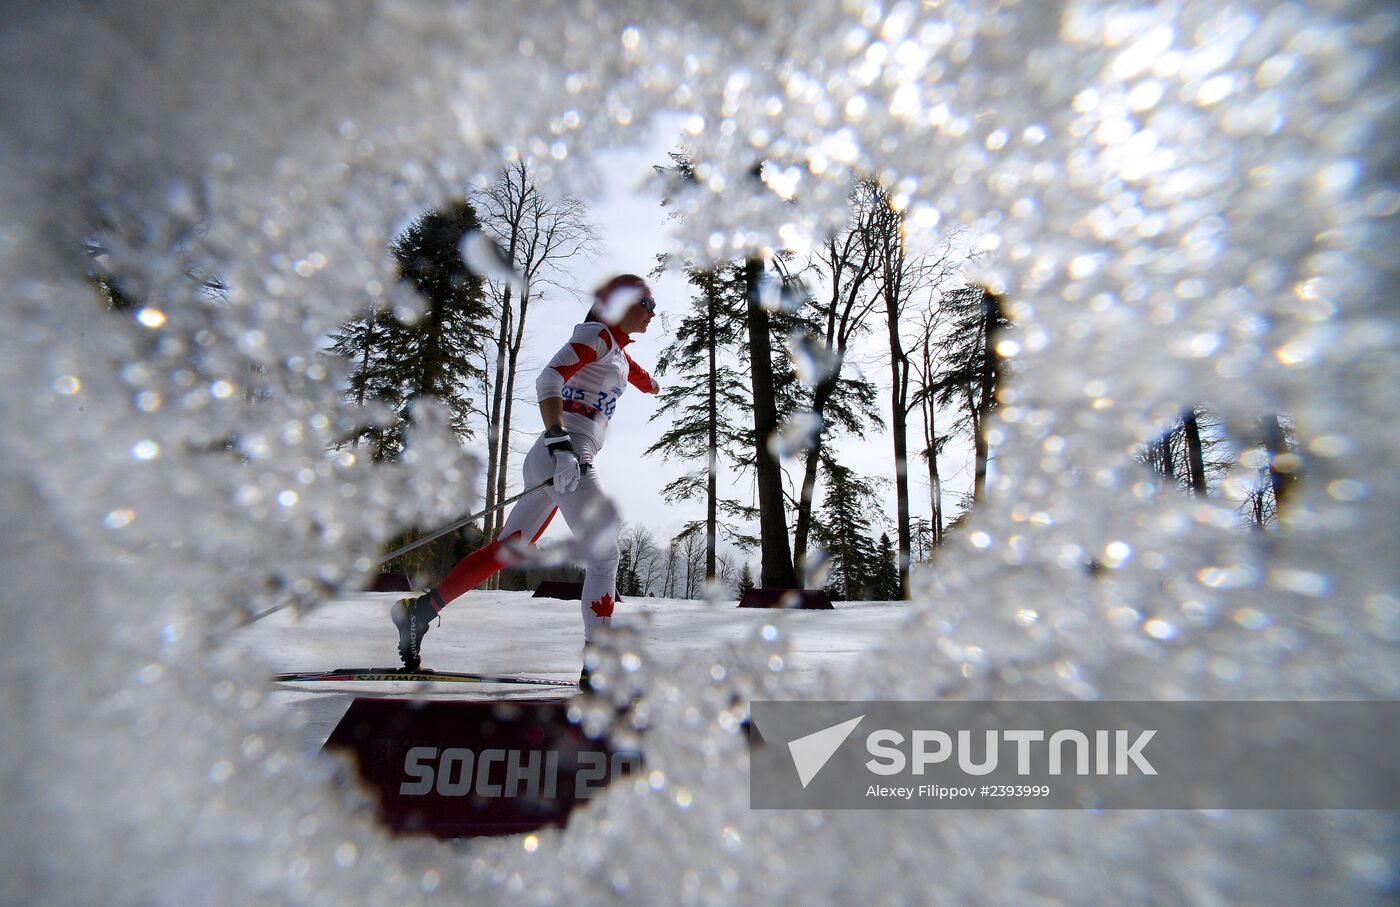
[411, 546]
[399, 552]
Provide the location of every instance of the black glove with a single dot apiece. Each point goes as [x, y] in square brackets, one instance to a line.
[558, 442]
[567, 472]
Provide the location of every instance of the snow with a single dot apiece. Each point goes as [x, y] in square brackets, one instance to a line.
[515, 633]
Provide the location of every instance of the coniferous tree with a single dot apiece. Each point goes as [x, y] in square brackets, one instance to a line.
[624, 573]
[844, 531]
[972, 369]
[745, 579]
[885, 571]
[705, 408]
[773, 388]
[397, 363]
[922, 538]
[776, 571]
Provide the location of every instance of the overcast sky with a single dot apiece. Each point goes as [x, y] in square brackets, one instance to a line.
[634, 230]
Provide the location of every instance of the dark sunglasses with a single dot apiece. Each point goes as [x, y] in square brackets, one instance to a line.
[648, 303]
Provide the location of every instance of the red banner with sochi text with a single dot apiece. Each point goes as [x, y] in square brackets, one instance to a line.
[460, 769]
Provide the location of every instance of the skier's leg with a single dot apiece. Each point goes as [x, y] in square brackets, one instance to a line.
[524, 525]
[594, 521]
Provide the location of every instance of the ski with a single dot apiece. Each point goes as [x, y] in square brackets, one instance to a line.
[383, 675]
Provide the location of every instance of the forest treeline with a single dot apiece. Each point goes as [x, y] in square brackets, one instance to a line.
[769, 363]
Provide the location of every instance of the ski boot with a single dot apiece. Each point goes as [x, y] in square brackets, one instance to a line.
[412, 616]
[590, 661]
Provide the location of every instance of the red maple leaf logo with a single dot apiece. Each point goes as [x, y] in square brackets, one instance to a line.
[603, 607]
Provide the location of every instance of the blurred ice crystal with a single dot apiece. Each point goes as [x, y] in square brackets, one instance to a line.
[1182, 202]
[616, 304]
[795, 435]
[486, 257]
[812, 361]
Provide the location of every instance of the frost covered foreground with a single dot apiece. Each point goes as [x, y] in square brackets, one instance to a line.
[1184, 203]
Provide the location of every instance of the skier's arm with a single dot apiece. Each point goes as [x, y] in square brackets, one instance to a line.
[590, 341]
[640, 378]
[552, 411]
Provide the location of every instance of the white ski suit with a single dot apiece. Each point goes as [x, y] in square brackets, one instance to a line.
[589, 373]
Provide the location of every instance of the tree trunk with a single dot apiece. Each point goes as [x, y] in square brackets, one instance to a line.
[503, 465]
[929, 408]
[899, 414]
[364, 359]
[1195, 458]
[503, 457]
[820, 395]
[493, 427]
[712, 466]
[935, 483]
[899, 395]
[986, 393]
[777, 570]
[1283, 471]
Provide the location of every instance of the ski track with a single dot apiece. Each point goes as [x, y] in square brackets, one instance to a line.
[515, 633]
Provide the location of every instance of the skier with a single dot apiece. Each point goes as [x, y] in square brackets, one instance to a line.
[577, 393]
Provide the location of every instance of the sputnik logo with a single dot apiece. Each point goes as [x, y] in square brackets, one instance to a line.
[811, 753]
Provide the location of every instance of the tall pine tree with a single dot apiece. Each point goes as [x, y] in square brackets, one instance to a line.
[972, 369]
[885, 571]
[844, 531]
[396, 363]
[705, 407]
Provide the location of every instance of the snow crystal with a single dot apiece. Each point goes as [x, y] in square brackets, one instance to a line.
[1182, 203]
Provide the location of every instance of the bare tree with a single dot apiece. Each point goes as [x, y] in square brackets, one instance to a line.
[638, 545]
[651, 570]
[1189, 454]
[896, 280]
[849, 271]
[692, 550]
[541, 235]
[925, 377]
[727, 574]
[673, 567]
[1280, 469]
[1195, 454]
[901, 276]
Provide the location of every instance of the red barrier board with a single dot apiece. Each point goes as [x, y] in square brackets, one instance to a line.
[460, 769]
[795, 599]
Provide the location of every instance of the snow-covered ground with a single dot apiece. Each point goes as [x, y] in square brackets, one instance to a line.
[514, 633]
